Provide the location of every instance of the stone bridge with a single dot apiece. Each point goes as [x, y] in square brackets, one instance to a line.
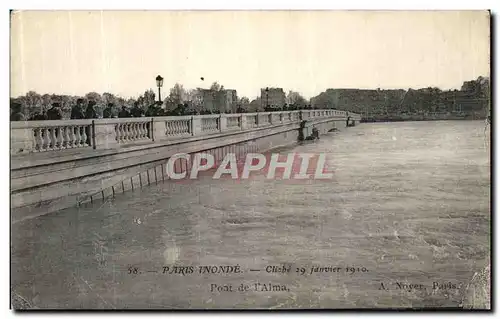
[59, 164]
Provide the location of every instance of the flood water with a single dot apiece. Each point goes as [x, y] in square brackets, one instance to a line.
[409, 204]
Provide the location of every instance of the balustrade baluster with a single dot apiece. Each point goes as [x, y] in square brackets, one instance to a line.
[140, 131]
[77, 137]
[37, 133]
[124, 128]
[46, 139]
[85, 134]
[124, 135]
[129, 132]
[124, 132]
[65, 135]
[60, 138]
[140, 128]
[118, 132]
[71, 137]
[51, 134]
[135, 128]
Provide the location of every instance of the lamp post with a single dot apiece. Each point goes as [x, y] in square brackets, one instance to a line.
[159, 84]
[267, 97]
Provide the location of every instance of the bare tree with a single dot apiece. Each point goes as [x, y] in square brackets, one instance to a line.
[216, 87]
[33, 102]
[294, 98]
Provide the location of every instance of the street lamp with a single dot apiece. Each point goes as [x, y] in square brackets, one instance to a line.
[159, 84]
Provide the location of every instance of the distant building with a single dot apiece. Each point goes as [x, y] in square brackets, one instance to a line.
[274, 97]
[208, 98]
[223, 101]
[230, 98]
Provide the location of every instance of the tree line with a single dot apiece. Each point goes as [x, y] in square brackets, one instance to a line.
[180, 101]
[473, 96]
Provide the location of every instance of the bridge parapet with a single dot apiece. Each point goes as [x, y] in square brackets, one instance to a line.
[51, 136]
[58, 164]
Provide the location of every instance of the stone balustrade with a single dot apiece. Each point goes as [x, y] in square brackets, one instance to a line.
[50, 136]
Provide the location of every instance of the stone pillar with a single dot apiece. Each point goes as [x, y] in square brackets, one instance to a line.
[159, 129]
[223, 122]
[243, 121]
[305, 115]
[105, 135]
[21, 140]
[196, 125]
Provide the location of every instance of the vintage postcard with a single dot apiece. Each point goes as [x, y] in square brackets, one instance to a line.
[174, 160]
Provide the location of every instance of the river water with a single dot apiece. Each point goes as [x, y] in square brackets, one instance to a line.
[409, 204]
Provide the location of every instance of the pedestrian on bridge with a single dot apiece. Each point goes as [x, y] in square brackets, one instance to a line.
[136, 111]
[108, 111]
[39, 116]
[90, 112]
[124, 112]
[77, 110]
[16, 114]
[55, 112]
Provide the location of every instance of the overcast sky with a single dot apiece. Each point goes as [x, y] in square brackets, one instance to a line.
[121, 52]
